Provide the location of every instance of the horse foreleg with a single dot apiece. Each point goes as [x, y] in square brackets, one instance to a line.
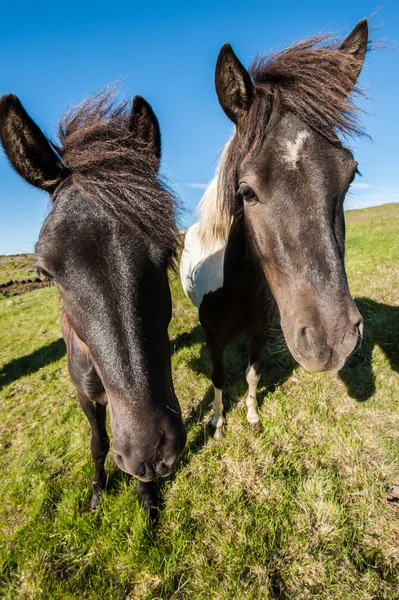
[253, 376]
[96, 415]
[218, 380]
[148, 494]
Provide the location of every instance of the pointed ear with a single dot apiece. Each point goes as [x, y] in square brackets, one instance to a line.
[233, 85]
[144, 124]
[356, 45]
[27, 148]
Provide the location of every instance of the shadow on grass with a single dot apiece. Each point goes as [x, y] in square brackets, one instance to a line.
[25, 365]
[381, 328]
[277, 366]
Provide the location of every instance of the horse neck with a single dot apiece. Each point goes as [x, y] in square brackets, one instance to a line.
[242, 267]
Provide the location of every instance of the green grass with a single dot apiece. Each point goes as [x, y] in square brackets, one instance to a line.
[17, 267]
[298, 511]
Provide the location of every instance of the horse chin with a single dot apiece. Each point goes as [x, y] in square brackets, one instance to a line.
[144, 479]
[333, 363]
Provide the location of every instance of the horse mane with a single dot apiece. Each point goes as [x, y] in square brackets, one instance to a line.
[314, 80]
[115, 170]
[215, 218]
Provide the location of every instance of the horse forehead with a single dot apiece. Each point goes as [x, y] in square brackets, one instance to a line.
[292, 150]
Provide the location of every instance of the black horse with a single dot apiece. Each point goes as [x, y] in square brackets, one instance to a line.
[271, 234]
[108, 242]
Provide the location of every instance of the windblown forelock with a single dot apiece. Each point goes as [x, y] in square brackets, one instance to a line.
[115, 170]
[316, 81]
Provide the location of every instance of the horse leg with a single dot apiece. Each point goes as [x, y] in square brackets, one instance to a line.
[96, 415]
[253, 376]
[148, 494]
[218, 380]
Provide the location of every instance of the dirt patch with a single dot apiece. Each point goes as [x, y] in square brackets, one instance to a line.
[15, 288]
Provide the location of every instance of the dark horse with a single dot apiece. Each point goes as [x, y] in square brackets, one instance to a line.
[271, 234]
[108, 242]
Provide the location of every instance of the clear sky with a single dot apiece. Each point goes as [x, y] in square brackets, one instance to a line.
[52, 55]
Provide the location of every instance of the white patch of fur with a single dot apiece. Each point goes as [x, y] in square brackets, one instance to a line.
[201, 269]
[293, 149]
[218, 418]
[251, 402]
[201, 265]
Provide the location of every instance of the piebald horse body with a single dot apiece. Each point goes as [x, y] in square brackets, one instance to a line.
[270, 240]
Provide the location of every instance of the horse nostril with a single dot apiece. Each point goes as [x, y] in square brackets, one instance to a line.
[161, 468]
[311, 344]
[359, 327]
[118, 458]
[141, 470]
[304, 339]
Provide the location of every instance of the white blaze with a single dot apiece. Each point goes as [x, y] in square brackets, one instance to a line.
[293, 149]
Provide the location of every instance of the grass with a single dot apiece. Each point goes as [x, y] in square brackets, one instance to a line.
[298, 511]
[17, 267]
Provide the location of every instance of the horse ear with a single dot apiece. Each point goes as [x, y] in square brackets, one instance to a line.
[233, 85]
[27, 148]
[144, 124]
[356, 44]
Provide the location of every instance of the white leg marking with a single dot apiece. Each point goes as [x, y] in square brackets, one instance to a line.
[252, 405]
[218, 419]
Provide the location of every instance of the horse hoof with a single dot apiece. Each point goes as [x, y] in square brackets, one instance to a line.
[257, 427]
[95, 501]
[219, 433]
[152, 512]
[97, 485]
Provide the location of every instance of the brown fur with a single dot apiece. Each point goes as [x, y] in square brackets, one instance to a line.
[312, 79]
[112, 167]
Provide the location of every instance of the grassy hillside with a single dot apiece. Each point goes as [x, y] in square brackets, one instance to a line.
[299, 511]
[15, 268]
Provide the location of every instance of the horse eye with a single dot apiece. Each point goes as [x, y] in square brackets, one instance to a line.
[247, 193]
[355, 172]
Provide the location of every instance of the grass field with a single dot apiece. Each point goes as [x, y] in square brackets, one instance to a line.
[16, 268]
[300, 511]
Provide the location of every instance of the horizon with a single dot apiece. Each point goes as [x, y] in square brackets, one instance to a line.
[168, 55]
[385, 204]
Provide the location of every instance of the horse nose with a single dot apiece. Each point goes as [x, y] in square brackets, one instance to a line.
[359, 326]
[353, 335]
[148, 472]
[162, 469]
[310, 343]
[145, 470]
[142, 470]
[320, 351]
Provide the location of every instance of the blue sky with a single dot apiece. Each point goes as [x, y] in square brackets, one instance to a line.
[53, 55]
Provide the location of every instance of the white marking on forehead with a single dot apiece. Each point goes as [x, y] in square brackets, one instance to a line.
[293, 149]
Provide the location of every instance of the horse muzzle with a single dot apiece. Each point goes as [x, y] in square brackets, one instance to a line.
[314, 351]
